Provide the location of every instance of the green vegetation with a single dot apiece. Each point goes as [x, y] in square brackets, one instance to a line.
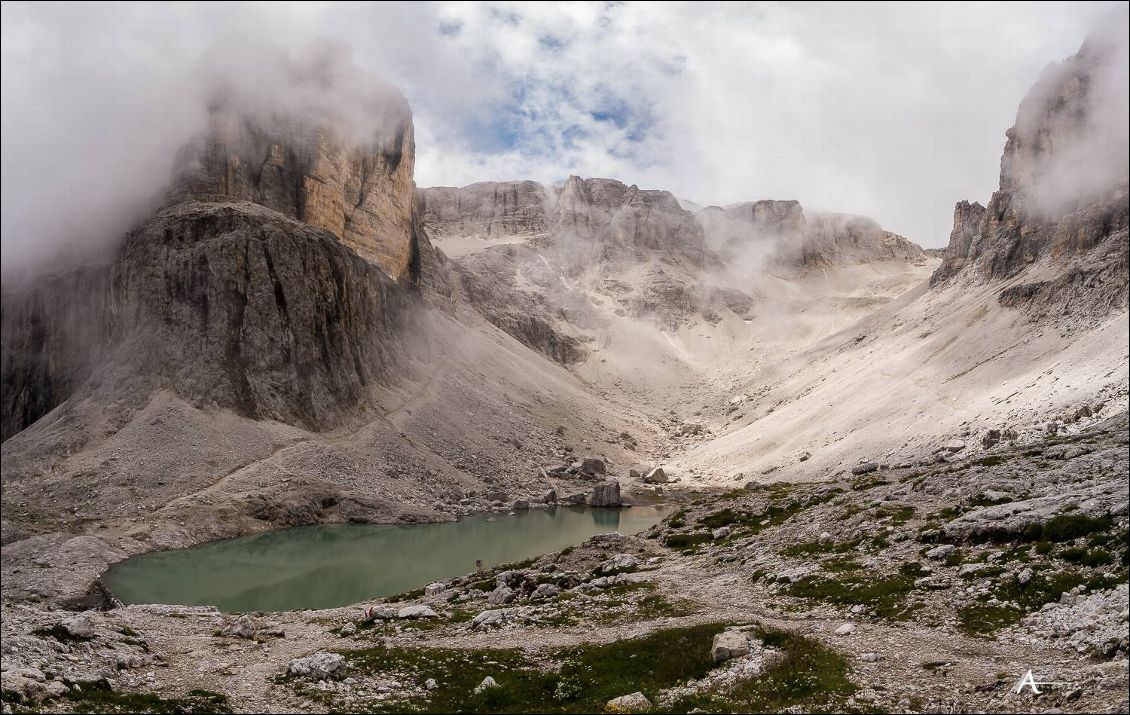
[687, 542]
[92, 699]
[810, 677]
[807, 676]
[867, 481]
[884, 595]
[1018, 601]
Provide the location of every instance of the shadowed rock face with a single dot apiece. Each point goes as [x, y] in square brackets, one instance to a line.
[273, 283]
[1062, 202]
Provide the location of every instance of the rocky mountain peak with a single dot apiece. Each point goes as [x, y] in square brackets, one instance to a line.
[1061, 210]
[313, 170]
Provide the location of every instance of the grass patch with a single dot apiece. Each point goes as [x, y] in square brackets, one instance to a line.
[687, 542]
[886, 596]
[92, 699]
[1017, 601]
[809, 677]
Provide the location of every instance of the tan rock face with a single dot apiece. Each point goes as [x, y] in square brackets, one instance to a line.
[362, 193]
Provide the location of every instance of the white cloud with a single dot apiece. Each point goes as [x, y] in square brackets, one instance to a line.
[891, 110]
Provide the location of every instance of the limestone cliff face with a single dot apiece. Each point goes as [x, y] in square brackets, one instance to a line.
[792, 239]
[274, 283]
[488, 209]
[361, 192]
[588, 220]
[1061, 212]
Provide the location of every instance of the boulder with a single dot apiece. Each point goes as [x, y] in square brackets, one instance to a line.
[544, 591]
[845, 630]
[80, 626]
[991, 438]
[729, 644]
[619, 563]
[954, 446]
[243, 627]
[606, 494]
[416, 612]
[940, 552]
[550, 497]
[501, 596]
[434, 589]
[492, 619]
[865, 468]
[656, 476]
[720, 533]
[593, 467]
[30, 685]
[488, 682]
[379, 613]
[635, 703]
[320, 666]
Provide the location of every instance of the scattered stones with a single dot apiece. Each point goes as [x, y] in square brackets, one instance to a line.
[729, 644]
[320, 666]
[635, 703]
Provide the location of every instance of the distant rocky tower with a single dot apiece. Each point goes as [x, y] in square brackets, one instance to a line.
[273, 282]
[1056, 229]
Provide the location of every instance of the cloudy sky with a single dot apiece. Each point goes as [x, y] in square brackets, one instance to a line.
[891, 110]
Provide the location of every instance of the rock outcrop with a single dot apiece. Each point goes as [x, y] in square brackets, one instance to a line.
[780, 235]
[273, 283]
[1060, 216]
[361, 193]
[488, 209]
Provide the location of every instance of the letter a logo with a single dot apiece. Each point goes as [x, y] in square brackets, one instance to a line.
[1029, 681]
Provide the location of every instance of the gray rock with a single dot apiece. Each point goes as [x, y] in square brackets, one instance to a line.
[954, 446]
[348, 629]
[656, 476]
[242, 627]
[593, 467]
[729, 644]
[550, 497]
[619, 563]
[434, 589]
[845, 630]
[545, 591]
[606, 494]
[720, 533]
[416, 612]
[940, 552]
[80, 626]
[320, 666]
[865, 468]
[501, 595]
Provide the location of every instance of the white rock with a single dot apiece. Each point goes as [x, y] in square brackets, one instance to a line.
[634, 703]
[80, 626]
[720, 533]
[433, 589]
[729, 644]
[320, 666]
[845, 629]
[488, 682]
[416, 612]
[431, 684]
[940, 552]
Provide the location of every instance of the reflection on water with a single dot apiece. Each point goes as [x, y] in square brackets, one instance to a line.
[327, 566]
